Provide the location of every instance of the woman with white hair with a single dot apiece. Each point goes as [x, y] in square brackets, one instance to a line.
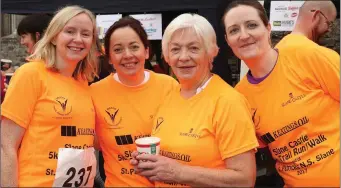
[47, 116]
[205, 127]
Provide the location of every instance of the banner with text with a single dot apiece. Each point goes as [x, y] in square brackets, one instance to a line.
[152, 24]
[283, 14]
[104, 22]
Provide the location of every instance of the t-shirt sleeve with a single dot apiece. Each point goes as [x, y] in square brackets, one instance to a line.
[261, 143]
[22, 94]
[171, 84]
[234, 130]
[324, 66]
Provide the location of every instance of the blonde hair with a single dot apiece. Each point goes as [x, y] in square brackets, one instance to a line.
[202, 28]
[46, 51]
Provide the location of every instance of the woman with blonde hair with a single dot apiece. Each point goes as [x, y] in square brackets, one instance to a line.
[47, 115]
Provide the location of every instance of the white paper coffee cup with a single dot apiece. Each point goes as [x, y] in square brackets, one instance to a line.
[150, 145]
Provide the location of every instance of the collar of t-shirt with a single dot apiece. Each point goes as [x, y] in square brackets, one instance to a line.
[254, 80]
[199, 89]
[146, 78]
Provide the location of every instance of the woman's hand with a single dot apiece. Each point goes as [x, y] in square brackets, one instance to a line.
[134, 161]
[156, 167]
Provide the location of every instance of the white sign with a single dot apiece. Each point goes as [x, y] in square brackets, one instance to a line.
[283, 14]
[243, 68]
[152, 24]
[75, 168]
[104, 22]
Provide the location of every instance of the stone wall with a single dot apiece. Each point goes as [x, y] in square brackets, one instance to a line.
[11, 49]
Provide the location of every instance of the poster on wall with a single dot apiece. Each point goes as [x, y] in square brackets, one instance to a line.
[283, 14]
[152, 24]
[104, 22]
[243, 67]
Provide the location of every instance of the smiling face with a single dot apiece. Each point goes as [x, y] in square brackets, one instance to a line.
[127, 52]
[187, 56]
[246, 34]
[73, 43]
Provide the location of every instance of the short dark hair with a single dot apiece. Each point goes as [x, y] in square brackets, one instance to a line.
[126, 21]
[252, 3]
[34, 23]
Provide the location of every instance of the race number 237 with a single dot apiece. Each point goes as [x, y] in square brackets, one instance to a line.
[83, 173]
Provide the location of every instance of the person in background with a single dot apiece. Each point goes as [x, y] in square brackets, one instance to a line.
[126, 101]
[207, 135]
[6, 64]
[104, 67]
[294, 93]
[47, 117]
[315, 19]
[6, 74]
[3, 86]
[31, 30]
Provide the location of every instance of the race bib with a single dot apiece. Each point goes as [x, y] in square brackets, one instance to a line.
[75, 168]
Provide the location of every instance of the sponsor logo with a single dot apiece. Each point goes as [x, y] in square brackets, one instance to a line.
[293, 8]
[277, 23]
[294, 14]
[176, 156]
[269, 138]
[290, 127]
[124, 140]
[286, 15]
[112, 118]
[72, 131]
[62, 108]
[287, 23]
[281, 8]
[292, 99]
[68, 131]
[190, 134]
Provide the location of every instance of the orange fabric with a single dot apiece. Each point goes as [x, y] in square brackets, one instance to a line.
[124, 114]
[298, 113]
[206, 129]
[47, 104]
[293, 40]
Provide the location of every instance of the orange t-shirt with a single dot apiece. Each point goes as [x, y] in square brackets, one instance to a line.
[124, 114]
[293, 40]
[296, 111]
[205, 129]
[56, 111]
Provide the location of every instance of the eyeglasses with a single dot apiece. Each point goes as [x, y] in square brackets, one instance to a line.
[329, 23]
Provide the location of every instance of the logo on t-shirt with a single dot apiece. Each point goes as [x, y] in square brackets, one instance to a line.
[62, 108]
[159, 121]
[190, 134]
[112, 118]
[71, 131]
[292, 99]
[124, 140]
[269, 138]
